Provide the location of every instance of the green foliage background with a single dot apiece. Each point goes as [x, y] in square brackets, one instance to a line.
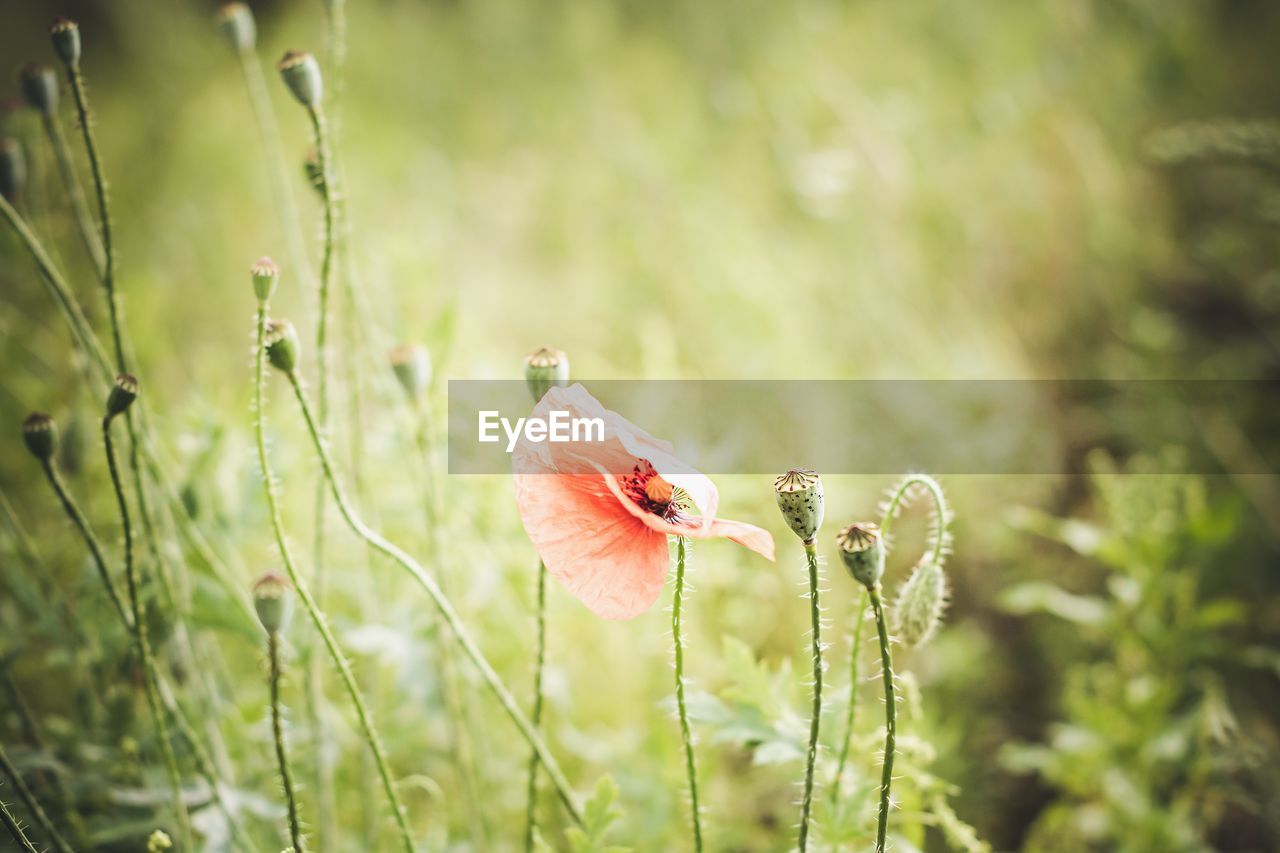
[797, 189]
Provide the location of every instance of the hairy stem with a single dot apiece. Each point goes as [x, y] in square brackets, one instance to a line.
[531, 799]
[313, 611]
[890, 716]
[853, 698]
[686, 734]
[321, 136]
[144, 644]
[33, 805]
[277, 731]
[75, 194]
[95, 548]
[15, 829]
[939, 534]
[815, 616]
[442, 603]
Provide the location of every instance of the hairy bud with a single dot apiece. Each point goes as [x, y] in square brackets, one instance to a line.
[863, 553]
[920, 603]
[799, 496]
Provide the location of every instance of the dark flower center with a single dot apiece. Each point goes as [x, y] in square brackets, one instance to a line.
[653, 494]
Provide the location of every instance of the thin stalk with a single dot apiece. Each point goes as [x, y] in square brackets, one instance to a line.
[33, 805]
[853, 699]
[277, 731]
[939, 533]
[321, 136]
[75, 194]
[317, 617]
[144, 644]
[811, 557]
[15, 829]
[686, 734]
[443, 605]
[95, 549]
[531, 800]
[890, 716]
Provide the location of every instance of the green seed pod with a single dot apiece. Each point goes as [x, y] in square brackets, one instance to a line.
[65, 35]
[272, 601]
[282, 345]
[799, 495]
[412, 366]
[920, 603]
[41, 435]
[237, 25]
[545, 368]
[123, 393]
[13, 169]
[265, 277]
[313, 171]
[301, 74]
[39, 88]
[862, 552]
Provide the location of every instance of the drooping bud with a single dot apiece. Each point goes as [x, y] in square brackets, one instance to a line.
[862, 552]
[41, 435]
[313, 171]
[272, 601]
[265, 276]
[65, 35]
[412, 366]
[920, 603]
[544, 369]
[282, 345]
[301, 74]
[799, 495]
[123, 393]
[39, 88]
[13, 169]
[237, 25]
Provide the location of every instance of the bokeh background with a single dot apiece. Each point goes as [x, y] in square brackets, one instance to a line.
[801, 189]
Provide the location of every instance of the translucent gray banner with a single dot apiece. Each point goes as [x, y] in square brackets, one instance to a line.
[875, 427]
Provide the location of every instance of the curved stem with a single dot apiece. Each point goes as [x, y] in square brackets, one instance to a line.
[75, 194]
[442, 603]
[890, 717]
[853, 698]
[277, 732]
[939, 532]
[313, 611]
[15, 829]
[33, 805]
[686, 734]
[815, 617]
[531, 798]
[144, 644]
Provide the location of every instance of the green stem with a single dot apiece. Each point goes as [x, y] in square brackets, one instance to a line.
[144, 644]
[317, 617]
[32, 804]
[326, 265]
[443, 605]
[815, 617]
[531, 800]
[686, 734]
[277, 731]
[890, 717]
[939, 533]
[15, 829]
[853, 699]
[75, 194]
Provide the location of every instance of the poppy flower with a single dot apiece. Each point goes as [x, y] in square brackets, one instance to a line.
[599, 512]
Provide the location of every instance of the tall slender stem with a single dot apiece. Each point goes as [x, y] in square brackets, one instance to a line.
[32, 804]
[95, 549]
[890, 716]
[531, 799]
[443, 605]
[75, 194]
[277, 731]
[939, 534]
[299, 584]
[815, 616]
[326, 265]
[15, 829]
[686, 733]
[853, 698]
[144, 644]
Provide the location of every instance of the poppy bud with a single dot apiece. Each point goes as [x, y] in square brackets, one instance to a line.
[544, 369]
[13, 169]
[301, 74]
[272, 601]
[39, 88]
[412, 366]
[799, 495]
[41, 435]
[237, 24]
[265, 275]
[920, 603]
[123, 393]
[313, 171]
[862, 552]
[282, 345]
[65, 35]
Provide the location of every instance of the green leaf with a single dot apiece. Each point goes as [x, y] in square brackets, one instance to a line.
[1044, 597]
[598, 816]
